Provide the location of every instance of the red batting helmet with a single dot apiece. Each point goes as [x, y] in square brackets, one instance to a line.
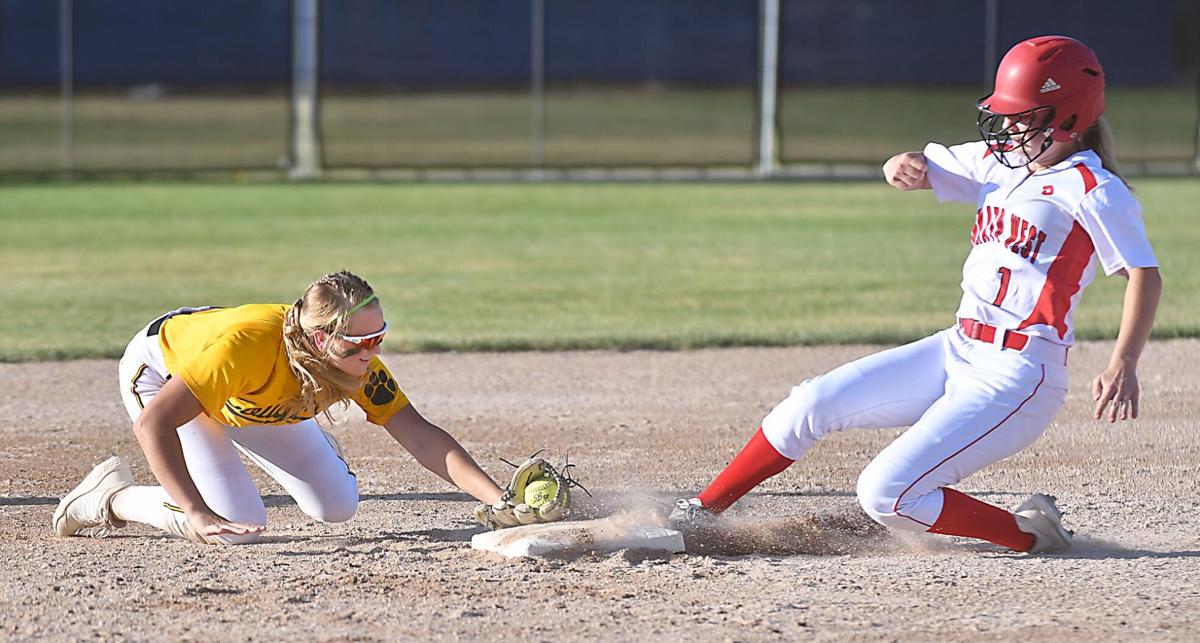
[1049, 83]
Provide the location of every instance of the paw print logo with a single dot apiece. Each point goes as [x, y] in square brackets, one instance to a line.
[380, 388]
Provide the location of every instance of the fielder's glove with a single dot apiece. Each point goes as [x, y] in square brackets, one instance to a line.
[512, 511]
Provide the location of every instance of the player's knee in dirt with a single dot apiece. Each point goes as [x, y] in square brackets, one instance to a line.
[334, 506]
[337, 513]
[874, 498]
[882, 496]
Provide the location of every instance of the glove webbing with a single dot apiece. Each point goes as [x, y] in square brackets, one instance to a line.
[563, 476]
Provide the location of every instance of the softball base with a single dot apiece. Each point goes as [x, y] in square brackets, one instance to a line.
[578, 537]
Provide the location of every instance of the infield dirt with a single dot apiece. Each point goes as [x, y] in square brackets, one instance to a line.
[796, 559]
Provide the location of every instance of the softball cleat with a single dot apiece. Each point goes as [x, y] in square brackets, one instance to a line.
[1041, 517]
[689, 513]
[87, 510]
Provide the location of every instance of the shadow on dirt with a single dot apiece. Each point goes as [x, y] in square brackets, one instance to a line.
[28, 501]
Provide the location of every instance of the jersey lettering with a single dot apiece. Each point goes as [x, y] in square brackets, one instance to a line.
[1023, 238]
[271, 414]
[989, 225]
[1046, 219]
[1041, 238]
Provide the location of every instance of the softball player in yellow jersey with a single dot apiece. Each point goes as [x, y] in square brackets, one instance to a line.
[202, 384]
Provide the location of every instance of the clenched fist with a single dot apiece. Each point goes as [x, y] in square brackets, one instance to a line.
[907, 171]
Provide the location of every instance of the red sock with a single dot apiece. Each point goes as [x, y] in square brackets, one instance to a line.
[963, 515]
[757, 461]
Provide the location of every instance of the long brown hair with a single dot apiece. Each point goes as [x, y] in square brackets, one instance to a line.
[1098, 138]
[326, 306]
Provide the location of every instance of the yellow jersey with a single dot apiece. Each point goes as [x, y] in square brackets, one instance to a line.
[234, 361]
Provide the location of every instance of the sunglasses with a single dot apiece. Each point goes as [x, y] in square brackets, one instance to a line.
[363, 342]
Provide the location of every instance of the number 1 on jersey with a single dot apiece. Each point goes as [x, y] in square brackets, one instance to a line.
[1005, 275]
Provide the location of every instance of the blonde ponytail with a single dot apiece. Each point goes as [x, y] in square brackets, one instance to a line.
[326, 306]
[1098, 138]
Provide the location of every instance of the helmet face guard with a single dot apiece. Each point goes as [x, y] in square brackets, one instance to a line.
[1051, 85]
[1010, 136]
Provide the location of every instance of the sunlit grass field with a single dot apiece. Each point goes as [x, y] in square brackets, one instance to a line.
[475, 267]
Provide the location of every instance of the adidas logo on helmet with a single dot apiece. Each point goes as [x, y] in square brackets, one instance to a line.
[1049, 86]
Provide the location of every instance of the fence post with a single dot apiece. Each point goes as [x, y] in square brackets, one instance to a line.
[306, 144]
[768, 84]
[66, 55]
[537, 86]
[991, 36]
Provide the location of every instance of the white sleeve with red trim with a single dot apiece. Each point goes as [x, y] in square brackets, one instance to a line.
[1112, 217]
[956, 173]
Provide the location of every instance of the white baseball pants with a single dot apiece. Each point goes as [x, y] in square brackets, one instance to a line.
[298, 456]
[969, 404]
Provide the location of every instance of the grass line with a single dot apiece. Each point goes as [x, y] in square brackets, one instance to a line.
[528, 267]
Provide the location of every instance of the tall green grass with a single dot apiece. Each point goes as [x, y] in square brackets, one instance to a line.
[471, 267]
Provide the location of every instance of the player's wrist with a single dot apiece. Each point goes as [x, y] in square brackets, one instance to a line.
[1126, 363]
[200, 510]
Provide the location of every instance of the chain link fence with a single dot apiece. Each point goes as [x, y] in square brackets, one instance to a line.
[744, 87]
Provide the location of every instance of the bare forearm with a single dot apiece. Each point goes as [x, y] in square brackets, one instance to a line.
[463, 472]
[439, 452]
[1137, 317]
[165, 455]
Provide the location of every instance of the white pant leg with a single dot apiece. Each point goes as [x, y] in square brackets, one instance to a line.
[209, 453]
[886, 389]
[219, 476]
[996, 404]
[298, 456]
[301, 459]
[141, 373]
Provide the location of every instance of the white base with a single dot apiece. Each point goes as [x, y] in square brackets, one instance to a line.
[576, 537]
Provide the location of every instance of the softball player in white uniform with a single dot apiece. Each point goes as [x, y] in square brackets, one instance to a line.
[1050, 209]
[203, 384]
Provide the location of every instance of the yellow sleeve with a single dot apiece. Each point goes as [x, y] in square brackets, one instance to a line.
[380, 396]
[216, 374]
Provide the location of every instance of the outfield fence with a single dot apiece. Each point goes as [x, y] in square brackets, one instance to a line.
[553, 88]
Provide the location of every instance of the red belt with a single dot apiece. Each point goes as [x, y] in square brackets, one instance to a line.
[985, 333]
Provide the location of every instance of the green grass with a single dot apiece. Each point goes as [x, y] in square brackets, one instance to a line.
[599, 126]
[864, 124]
[471, 267]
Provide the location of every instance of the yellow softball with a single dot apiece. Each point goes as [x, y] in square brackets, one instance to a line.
[540, 491]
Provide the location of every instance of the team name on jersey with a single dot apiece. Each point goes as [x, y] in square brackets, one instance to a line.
[994, 225]
[273, 414]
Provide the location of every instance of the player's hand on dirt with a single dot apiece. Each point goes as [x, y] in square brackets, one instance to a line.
[207, 525]
[1117, 389]
[907, 171]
